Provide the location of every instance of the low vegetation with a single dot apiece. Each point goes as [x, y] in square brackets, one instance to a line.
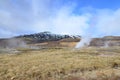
[61, 64]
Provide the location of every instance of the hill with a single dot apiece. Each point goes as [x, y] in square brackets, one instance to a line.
[42, 39]
[106, 41]
[47, 39]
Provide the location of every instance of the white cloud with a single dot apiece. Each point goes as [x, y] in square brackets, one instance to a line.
[108, 22]
[41, 16]
[63, 22]
[66, 22]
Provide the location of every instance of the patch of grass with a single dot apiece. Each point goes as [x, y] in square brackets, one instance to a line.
[61, 64]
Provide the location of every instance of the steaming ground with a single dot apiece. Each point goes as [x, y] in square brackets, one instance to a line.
[11, 45]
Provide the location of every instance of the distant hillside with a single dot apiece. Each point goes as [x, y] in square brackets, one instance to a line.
[39, 39]
[106, 41]
[46, 37]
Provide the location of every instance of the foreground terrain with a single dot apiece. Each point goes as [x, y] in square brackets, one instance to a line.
[61, 64]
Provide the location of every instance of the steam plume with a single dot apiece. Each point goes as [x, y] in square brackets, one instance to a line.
[84, 42]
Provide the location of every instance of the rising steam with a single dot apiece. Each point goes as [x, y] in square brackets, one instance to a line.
[13, 43]
[84, 42]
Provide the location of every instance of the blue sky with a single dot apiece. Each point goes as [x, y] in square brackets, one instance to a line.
[75, 17]
[112, 4]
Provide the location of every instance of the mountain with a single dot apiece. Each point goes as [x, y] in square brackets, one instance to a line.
[47, 38]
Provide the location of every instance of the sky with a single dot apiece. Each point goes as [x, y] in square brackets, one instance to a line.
[94, 18]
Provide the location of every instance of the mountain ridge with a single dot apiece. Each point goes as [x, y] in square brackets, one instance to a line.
[47, 36]
[53, 40]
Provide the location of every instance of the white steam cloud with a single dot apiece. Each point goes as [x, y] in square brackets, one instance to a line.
[30, 16]
[84, 42]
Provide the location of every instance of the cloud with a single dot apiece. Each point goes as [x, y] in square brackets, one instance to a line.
[63, 22]
[67, 22]
[30, 16]
[108, 22]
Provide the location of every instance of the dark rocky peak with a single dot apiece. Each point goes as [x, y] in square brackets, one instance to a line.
[47, 36]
